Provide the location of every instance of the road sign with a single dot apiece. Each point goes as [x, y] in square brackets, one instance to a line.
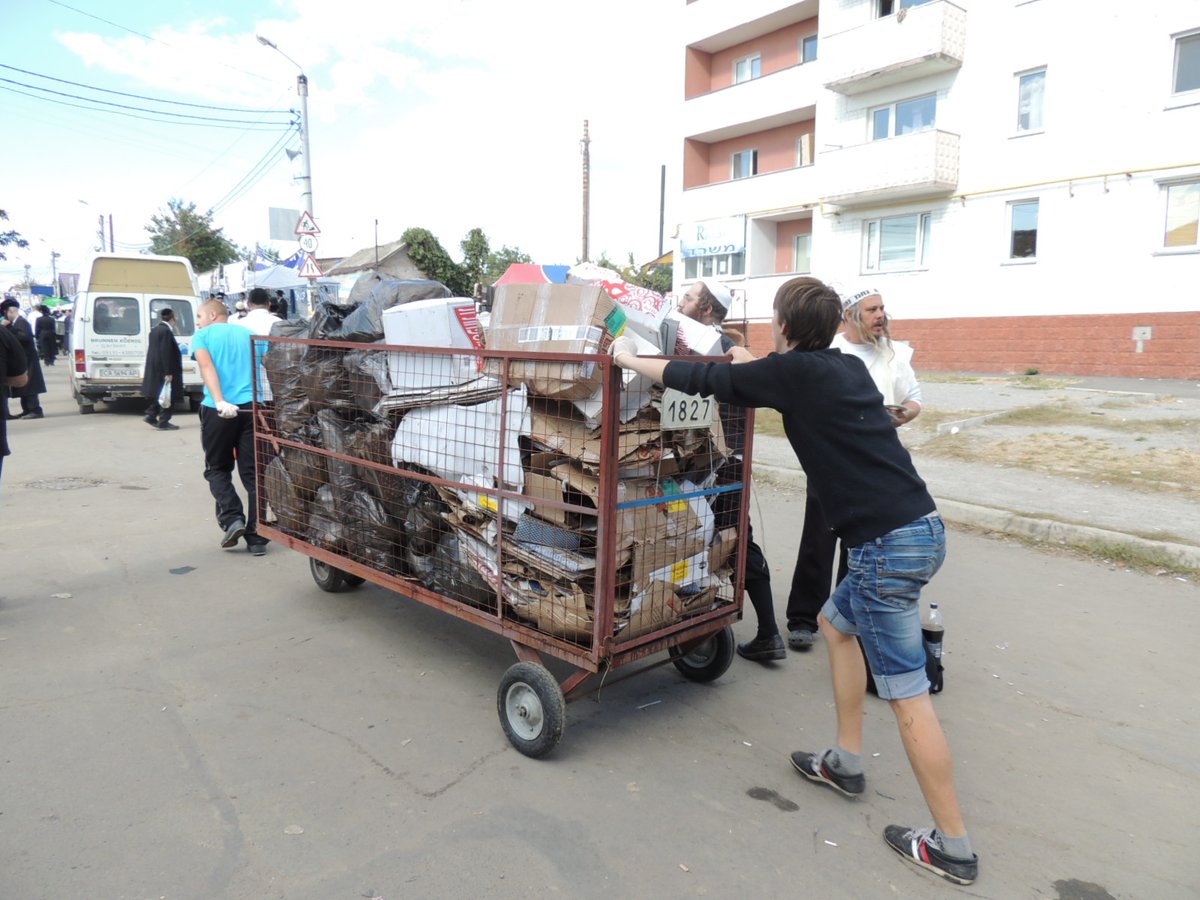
[309, 269]
[308, 243]
[306, 225]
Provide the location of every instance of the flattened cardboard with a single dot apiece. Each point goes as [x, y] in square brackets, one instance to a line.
[662, 556]
[655, 607]
[722, 548]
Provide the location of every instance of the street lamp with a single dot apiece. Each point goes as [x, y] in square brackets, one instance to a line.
[302, 90]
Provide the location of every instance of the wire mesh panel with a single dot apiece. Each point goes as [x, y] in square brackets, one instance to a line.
[547, 495]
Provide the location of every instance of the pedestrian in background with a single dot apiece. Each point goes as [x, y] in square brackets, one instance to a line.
[878, 504]
[35, 385]
[867, 335]
[164, 366]
[708, 302]
[12, 375]
[223, 352]
[45, 335]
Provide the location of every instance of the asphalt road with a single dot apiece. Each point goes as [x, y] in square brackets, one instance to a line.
[178, 721]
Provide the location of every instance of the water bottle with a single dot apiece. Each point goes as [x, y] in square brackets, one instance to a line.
[932, 632]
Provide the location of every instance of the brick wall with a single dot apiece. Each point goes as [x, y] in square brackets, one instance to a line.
[1054, 345]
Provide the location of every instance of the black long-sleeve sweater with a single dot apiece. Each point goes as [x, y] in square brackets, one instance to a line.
[835, 420]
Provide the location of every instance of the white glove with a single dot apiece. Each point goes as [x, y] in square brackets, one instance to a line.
[226, 410]
[623, 345]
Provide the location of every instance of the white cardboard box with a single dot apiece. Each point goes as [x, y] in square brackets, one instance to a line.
[444, 323]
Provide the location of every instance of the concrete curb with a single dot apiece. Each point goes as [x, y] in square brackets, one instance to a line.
[1045, 531]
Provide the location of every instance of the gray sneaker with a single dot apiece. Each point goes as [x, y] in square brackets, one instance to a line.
[233, 533]
[801, 639]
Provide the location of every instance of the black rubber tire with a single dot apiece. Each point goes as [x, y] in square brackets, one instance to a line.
[709, 661]
[532, 709]
[86, 409]
[352, 581]
[327, 577]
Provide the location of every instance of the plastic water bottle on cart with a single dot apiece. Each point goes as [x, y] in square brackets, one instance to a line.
[932, 632]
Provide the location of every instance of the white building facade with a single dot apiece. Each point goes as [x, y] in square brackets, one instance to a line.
[1021, 186]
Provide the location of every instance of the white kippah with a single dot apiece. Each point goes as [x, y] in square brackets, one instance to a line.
[720, 294]
[860, 295]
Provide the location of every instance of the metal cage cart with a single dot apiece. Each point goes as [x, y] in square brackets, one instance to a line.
[567, 506]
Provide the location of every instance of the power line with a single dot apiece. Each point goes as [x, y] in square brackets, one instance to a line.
[148, 37]
[251, 127]
[89, 87]
[156, 112]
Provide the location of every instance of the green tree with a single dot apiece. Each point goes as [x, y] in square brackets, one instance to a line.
[181, 231]
[656, 278]
[10, 237]
[430, 257]
[499, 261]
[475, 256]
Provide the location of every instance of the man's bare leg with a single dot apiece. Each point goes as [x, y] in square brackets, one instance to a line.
[929, 755]
[849, 685]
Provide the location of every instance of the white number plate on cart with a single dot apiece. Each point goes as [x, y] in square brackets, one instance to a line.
[680, 410]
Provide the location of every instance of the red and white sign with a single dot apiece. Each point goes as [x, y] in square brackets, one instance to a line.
[310, 269]
[306, 225]
[308, 242]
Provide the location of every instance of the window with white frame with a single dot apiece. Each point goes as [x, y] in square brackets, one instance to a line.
[1031, 99]
[746, 68]
[1187, 63]
[896, 243]
[808, 48]
[709, 266]
[1182, 230]
[1022, 229]
[802, 254]
[887, 7]
[745, 163]
[903, 117]
[804, 149]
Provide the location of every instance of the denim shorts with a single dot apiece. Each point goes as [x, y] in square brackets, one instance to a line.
[879, 600]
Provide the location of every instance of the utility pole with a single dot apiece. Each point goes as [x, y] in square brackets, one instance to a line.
[54, 255]
[662, 208]
[112, 246]
[583, 146]
[302, 90]
[101, 233]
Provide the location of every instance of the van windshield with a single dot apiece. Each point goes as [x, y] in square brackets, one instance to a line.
[185, 324]
[116, 315]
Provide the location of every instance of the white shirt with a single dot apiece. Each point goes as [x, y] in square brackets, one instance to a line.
[259, 320]
[891, 369]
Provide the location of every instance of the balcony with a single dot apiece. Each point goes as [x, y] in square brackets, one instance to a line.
[919, 41]
[780, 98]
[922, 164]
[786, 188]
[713, 26]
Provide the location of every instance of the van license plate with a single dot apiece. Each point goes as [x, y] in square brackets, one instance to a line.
[122, 373]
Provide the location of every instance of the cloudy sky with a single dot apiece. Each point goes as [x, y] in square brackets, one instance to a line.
[446, 115]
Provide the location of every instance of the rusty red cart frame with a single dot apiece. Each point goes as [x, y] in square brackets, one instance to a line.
[565, 544]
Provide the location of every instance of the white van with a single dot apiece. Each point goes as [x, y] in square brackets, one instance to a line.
[119, 301]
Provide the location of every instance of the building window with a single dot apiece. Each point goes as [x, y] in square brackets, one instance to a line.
[887, 7]
[747, 68]
[1187, 63]
[1022, 229]
[804, 146]
[903, 117]
[897, 243]
[745, 163]
[802, 254]
[1031, 98]
[1183, 216]
[709, 266]
[808, 48]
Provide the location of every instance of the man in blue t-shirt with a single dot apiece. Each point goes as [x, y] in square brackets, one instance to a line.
[226, 359]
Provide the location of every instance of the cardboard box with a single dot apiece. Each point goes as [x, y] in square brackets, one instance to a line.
[695, 337]
[533, 319]
[441, 323]
[635, 391]
[670, 560]
[637, 441]
[652, 609]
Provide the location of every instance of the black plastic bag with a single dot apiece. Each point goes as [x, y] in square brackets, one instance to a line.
[365, 323]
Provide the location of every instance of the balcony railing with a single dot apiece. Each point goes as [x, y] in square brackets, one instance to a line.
[789, 187]
[780, 98]
[921, 164]
[915, 42]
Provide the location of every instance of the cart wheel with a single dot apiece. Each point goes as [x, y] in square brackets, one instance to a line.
[709, 661]
[330, 579]
[86, 409]
[532, 709]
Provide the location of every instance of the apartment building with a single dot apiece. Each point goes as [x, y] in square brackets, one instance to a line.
[1019, 178]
